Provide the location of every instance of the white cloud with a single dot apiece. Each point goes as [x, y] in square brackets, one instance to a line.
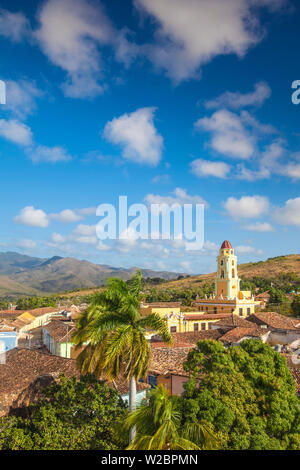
[57, 238]
[38, 218]
[191, 33]
[85, 230]
[20, 97]
[289, 214]
[66, 216]
[161, 179]
[137, 135]
[248, 174]
[180, 197]
[15, 132]
[70, 34]
[202, 167]
[49, 154]
[292, 170]
[236, 100]
[85, 234]
[32, 217]
[229, 135]
[245, 250]
[27, 244]
[13, 26]
[246, 206]
[259, 227]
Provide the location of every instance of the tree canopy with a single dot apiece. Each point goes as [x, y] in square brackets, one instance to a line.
[246, 392]
[72, 415]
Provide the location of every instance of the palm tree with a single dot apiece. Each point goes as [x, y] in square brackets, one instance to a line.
[158, 424]
[114, 332]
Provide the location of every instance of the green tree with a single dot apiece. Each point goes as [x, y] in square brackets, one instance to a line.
[115, 333]
[72, 415]
[296, 305]
[246, 392]
[158, 424]
[29, 303]
[277, 296]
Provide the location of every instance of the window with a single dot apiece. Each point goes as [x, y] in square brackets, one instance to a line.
[173, 329]
[203, 326]
[196, 326]
[248, 311]
[222, 262]
[240, 312]
[215, 309]
[232, 262]
[233, 273]
[210, 326]
[152, 380]
[222, 273]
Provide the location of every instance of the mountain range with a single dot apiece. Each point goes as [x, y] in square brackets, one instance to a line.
[26, 275]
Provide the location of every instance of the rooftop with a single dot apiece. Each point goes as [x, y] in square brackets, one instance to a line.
[234, 320]
[226, 244]
[275, 320]
[187, 340]
[168, 360]
[162, 304]
[208, 316]
[238, 333]
[24, 366]
[59, 330]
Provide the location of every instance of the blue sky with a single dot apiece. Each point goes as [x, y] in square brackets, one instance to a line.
[159, 100]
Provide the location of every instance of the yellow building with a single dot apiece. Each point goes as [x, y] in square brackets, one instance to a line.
[228, 297]
[228, 300]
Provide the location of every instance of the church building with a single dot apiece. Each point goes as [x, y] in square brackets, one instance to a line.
[228, 297]
[227, 300]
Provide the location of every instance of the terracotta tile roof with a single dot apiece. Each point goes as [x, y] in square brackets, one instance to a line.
[162, 304]
[168, 360]
[275, 320]
[11, 311]
[187, 339]
[263, 295]
[10, 314]
[226, 244]
[37, 312]
[23, 367]
[233, 321]
[204, 316]
[59, 330]
[238, 333]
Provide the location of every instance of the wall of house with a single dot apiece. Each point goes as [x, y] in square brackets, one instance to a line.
[282, 337]
[8, 340]
[139, 397]
[64, 349]
[177, 384]
[166, 381]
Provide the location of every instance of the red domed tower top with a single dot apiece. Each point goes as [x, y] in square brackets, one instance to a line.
[226, 244]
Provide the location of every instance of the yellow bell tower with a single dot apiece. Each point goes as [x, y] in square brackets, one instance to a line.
[227, 282]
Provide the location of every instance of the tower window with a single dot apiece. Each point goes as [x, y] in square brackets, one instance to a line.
[232, 262]
[233, 273]
[222, 273]
[222, 262]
